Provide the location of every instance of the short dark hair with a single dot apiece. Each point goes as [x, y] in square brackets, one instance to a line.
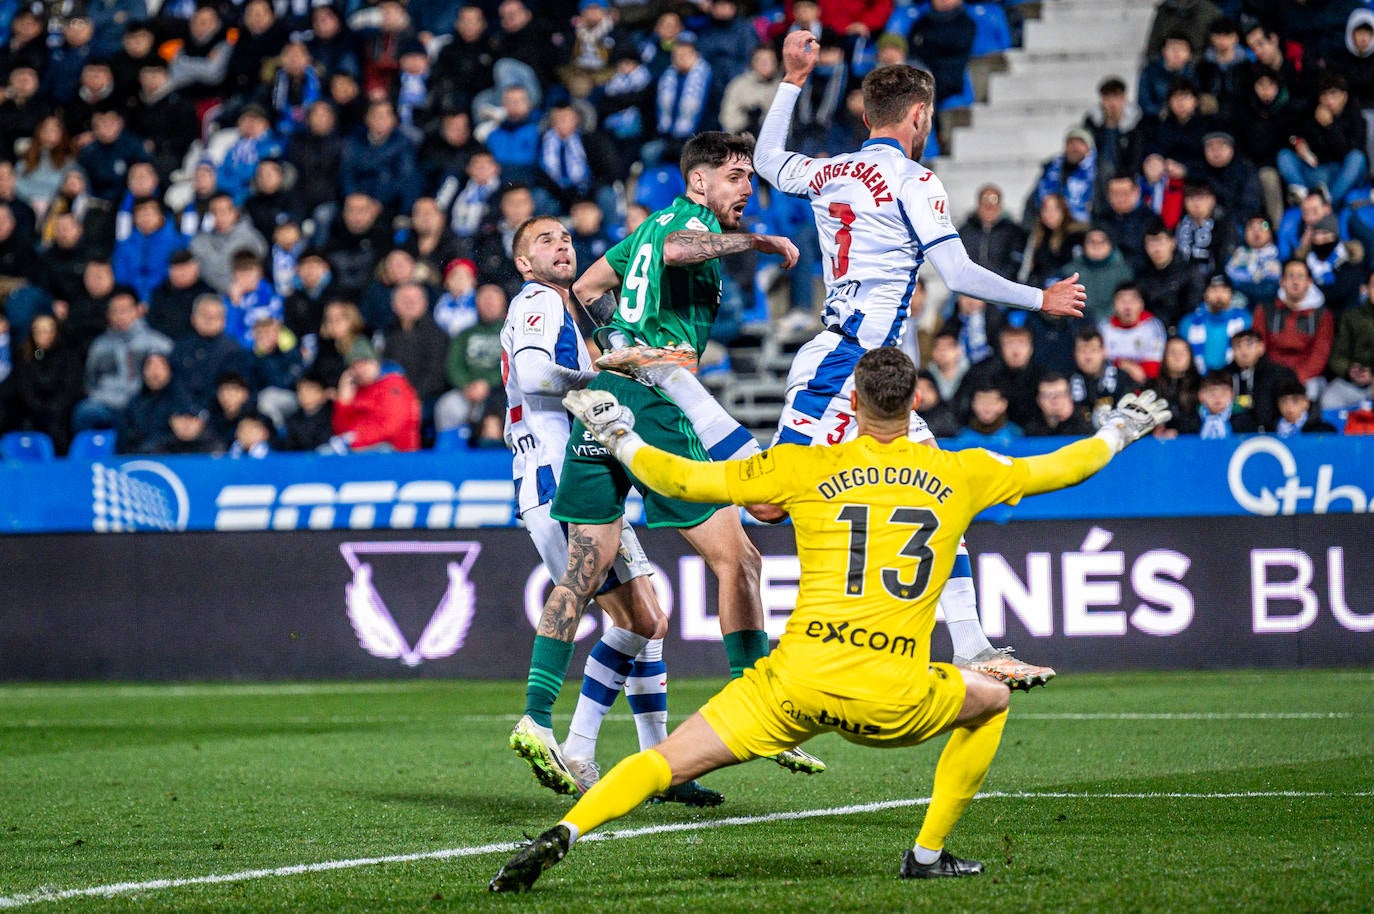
[1112, 85]
[1087, 333]
[1293, 388]
[714, 148]
[1128, 286]
[1224, 25]
[1052, 377]
[1176, 35]
[1218, 378]
[1300, 262]
[519, 246]
[1011, 330]
[889, 92]
[242, 259]
[885, 380]
[1249, 333]
[1157, 227]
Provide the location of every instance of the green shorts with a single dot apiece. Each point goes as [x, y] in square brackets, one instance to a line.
[594, 484]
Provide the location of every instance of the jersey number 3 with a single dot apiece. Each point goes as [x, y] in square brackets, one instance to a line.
[843, 237]
[917, 547]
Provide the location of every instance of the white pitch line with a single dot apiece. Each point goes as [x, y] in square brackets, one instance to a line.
[125, 888]
[168, 723]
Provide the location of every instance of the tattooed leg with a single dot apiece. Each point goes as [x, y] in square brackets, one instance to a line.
[591, 552]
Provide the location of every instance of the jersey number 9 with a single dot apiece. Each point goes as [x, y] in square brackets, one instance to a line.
[633, 286]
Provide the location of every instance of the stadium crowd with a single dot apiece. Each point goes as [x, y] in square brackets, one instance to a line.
[286, 224]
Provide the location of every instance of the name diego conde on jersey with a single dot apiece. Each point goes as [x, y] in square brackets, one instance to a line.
[845, 480]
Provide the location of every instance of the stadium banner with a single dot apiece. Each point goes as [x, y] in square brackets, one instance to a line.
[1257, 475]
[1117, 594]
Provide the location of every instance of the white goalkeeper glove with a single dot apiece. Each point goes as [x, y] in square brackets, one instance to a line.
[610, 422]
[1132, 419]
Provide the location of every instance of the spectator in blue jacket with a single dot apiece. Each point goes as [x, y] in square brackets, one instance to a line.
[380, 162]
[199, 359]
[108, 21]
[1072, 174]
[249, 294]
[62, 75]
[728, 41]
[1175, 62]
[274, 370]
[1209, 328]
[942, 39]
[515, 141]
[684, 97]
[255, 143]
[142, 259]
[106, 159]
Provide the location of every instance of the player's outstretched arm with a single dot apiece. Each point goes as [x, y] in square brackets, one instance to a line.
[687, 247]
[1133, 418]
[595, 290]
[786, 170]
[1065, 298]
[612, 424]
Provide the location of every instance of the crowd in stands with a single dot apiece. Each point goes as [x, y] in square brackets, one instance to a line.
[1221, 223]
[256, 225]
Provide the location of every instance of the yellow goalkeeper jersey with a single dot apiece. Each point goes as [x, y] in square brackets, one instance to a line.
[877, 527]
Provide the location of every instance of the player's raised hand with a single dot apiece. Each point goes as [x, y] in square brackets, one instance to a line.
[799, 52]
[1065, 298]
[778, 244]
[609, 421]
[1133, 418]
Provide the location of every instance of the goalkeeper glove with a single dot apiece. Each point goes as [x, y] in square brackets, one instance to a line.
[611, 423]
[1132, 419]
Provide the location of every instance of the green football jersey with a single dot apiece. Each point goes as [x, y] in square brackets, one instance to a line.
[659, 304]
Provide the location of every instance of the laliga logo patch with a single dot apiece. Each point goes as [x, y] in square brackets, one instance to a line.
[373, 623]
[939, 208]
[534, 324]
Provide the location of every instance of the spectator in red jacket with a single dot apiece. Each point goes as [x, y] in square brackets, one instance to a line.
[374, 410]
[1297, 329]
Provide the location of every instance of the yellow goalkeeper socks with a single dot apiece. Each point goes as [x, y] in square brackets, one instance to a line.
[960, 773]
[634, 780]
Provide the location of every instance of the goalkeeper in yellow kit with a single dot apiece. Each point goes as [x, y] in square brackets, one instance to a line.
[878, 521]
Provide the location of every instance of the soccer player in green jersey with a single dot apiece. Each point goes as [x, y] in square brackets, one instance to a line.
[668, 278]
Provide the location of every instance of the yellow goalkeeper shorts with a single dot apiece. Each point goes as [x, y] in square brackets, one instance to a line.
[762, 713]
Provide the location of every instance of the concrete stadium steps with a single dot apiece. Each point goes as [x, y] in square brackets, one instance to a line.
[1045, 89]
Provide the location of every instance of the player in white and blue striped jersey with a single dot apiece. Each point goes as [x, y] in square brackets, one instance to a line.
[543, 357]
[880, 216]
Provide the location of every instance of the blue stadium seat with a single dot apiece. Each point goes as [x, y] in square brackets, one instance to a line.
[994, 32]
[658, 185]
[451, 439]
[902, 18]
[1337, 418]
[964, 99]
[32, 447]
[92, 444]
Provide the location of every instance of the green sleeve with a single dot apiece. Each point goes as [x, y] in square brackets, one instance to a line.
[456, 366]
[619, 255]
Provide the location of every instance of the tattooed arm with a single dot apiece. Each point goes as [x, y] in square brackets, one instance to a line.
[595, 290]
[686, 248]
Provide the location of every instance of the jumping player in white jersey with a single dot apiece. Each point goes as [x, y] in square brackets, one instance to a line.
[879, 215]
[544, 357]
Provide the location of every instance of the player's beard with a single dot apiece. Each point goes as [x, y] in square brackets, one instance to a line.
[729, 212]
[561, 275]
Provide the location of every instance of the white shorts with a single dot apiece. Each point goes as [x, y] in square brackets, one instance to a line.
[817, 410]
[551, 540]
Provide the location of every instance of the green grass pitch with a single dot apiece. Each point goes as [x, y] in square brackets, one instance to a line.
[1244, 791]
